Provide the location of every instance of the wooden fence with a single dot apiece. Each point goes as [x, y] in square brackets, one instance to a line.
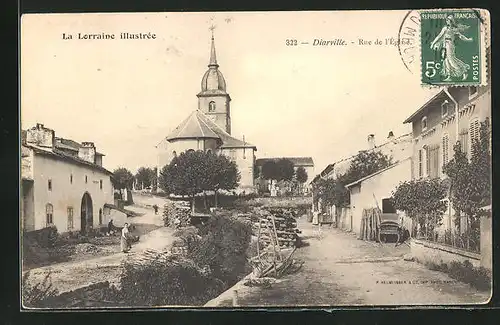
[370, 222]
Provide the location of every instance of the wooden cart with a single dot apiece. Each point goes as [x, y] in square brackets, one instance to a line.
[389, 227]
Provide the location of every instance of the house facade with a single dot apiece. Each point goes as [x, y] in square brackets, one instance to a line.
[375, 191]
[209, 129]
[399, 148]
[63, 183]
[453, 114]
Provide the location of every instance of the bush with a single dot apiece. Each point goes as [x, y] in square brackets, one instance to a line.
[38, 295]
[223, 247]
[170, 281]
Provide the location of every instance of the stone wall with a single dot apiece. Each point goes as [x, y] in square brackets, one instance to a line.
[428, 252]
[486, 242]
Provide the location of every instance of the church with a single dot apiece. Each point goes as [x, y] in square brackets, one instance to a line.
[209, 128]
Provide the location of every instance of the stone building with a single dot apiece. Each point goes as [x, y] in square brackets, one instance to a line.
[398, 148]
[63, 183]
[209, 128]
[436, 129]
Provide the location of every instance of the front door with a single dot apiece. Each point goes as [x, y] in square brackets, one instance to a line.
[86, 215]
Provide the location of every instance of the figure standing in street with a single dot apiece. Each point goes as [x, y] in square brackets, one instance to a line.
[111, 227]
[155, 207]
[124, 243]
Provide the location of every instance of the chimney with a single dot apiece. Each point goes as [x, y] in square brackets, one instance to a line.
[371, 141]
[390, 137]
[40, 136]
[87, 152]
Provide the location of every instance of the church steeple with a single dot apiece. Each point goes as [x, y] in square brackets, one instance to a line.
[213, 56]
[213, 100]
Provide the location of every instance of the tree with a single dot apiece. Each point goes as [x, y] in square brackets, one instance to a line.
[422, 200]
[145, 177]
[284, 170]
[195, 172]
[256, 172]
[225, 174]
[301, 176]
[366, 163]
[269, 170]
[363, 164]
[470, 182]
[122, 178]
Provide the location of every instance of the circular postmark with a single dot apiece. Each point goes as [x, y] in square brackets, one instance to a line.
[409, 41]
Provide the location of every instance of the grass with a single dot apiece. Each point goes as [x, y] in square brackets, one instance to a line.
[477, 277]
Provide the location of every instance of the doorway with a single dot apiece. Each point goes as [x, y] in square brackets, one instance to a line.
[87, 218]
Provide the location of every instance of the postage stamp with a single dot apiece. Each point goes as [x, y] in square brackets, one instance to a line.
[451, 48]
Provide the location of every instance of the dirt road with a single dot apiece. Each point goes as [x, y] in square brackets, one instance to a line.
[342, 270]
[76, 274]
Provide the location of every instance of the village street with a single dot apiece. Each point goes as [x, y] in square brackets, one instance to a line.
[342, 270]
[81, 273]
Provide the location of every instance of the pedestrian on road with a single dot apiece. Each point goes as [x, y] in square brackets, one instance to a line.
[111, 227]
[155, 207]
[124, 243]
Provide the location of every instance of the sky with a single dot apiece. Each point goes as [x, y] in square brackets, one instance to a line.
[304, 100]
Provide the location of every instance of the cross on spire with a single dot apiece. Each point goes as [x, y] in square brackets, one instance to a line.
[212, 28]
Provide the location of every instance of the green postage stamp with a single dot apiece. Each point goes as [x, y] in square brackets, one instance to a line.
[452, 50]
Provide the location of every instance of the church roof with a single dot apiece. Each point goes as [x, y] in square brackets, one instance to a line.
[198, 125]
[191, 128]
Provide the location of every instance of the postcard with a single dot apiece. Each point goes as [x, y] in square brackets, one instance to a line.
[255, 159]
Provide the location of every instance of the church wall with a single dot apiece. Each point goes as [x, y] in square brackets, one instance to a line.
[221, 110]
[244, 159]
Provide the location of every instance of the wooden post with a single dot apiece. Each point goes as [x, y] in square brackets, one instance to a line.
[235, 298]
[276, 236]
[258, 242]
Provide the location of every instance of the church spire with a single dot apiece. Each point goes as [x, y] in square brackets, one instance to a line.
[213, 56]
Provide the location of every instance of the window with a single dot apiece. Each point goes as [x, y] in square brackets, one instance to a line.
[446, 146]
[211, 106]
[49, 212]
[49, 184]
[434, 162]
[86, 179]
[420, 163]
[424, 123]
[388, 206]
[472, 92]
[71, 179]
[444, 108]
[464, 140]
[100, 184]
[70, 218]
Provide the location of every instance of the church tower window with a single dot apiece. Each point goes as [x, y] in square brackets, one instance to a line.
[211, 106]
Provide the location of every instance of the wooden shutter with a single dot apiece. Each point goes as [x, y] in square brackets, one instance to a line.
[420, 162]
[474, 131]
[445, 148]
